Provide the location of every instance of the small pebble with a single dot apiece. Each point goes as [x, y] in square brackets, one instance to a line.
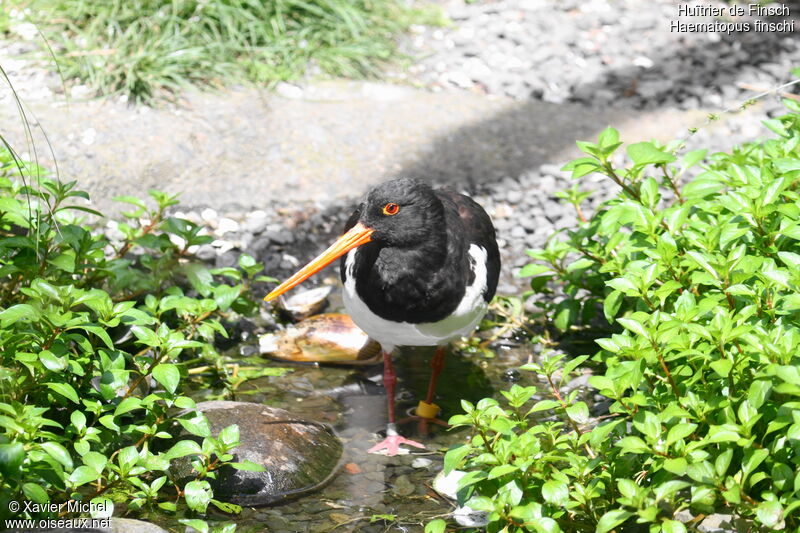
[421, 462]
[352, 468]
[403, 486]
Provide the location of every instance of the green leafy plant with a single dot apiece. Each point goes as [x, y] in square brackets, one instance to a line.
[96, 339]
[698, 287]
[145, 48]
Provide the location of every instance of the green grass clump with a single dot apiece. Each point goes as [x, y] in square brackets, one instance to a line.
[146, 47]
[700, 366]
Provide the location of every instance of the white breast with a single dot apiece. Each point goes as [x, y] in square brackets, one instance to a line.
[390, 334]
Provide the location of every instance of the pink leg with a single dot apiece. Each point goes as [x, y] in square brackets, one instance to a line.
[392, 441]
[389, 382]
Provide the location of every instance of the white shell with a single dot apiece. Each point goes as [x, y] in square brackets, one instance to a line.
[306, 303]
[447, 485]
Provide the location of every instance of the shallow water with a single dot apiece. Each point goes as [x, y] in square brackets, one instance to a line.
[353, 401]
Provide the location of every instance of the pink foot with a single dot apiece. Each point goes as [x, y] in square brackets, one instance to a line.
[392, 444]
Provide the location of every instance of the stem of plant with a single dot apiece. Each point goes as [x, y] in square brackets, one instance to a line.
[672, 184]
[572, 423]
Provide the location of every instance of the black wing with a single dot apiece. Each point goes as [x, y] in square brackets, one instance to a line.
[478, 229]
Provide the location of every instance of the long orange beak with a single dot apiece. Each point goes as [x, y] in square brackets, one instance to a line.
[358, 235]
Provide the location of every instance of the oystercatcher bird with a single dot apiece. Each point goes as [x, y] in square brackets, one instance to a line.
[419, 267]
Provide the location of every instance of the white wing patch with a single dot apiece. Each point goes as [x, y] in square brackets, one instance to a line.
[390, 334]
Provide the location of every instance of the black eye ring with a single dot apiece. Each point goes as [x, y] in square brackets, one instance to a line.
[391, 209]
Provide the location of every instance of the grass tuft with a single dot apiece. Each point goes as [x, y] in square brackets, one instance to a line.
[147, 48]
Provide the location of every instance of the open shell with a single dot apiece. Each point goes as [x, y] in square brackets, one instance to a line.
[306, 303]
[326, 338]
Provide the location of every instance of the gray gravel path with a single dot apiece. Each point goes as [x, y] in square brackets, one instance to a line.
[598, 52]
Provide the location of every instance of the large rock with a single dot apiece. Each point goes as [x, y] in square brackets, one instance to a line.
[299, 455]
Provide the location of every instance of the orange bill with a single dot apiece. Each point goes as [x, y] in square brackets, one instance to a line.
[358, 235]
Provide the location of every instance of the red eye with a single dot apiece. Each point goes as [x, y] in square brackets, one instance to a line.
[391, 209]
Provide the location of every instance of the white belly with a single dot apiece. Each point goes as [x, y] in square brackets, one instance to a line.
[390, 334]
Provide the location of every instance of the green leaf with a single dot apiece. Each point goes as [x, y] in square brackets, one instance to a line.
[608, 137]
[101, 507]
[225, 295]
[51, 362]
[672, 526]
[722, 462]
[138, 202]
[168, 375]
[645, 153]
[679, 432]
[18, 312]
[676, 466]
[35, 493]
[533, 269]
[100, 332]
[692, 158]
[544, 405]
[59, 453]
[501, 470]
[128, 457]
[229, 435]
[624, 285]
[95, 460]
[721, 367]
[612, 519]
[633, 445]
[700, 188]
[556, 492]
[578, 413]
[64, 261]
[759, 392]
[566, 314]
[435, 526]
[11, 458]
[184, 448]
[198, 495]
[770, 513]
[702, 261]
[633, 325]
[611, 305]
[146, 336]
[127, 405]
[752, 458]
[82, 475]
[649, 192]
[197, 425]
[248, 466]
[723, 433]
[481, 503]
[64, 389]
[200, 525]
[582, 166]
